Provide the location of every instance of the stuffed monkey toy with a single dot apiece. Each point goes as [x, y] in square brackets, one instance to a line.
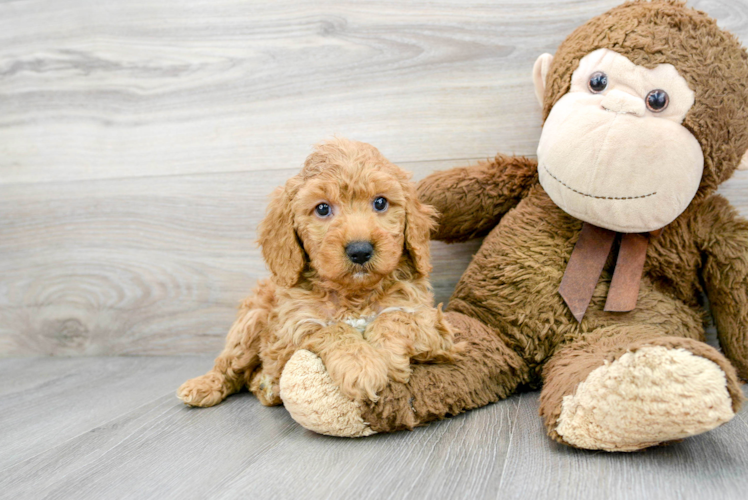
[589, 280]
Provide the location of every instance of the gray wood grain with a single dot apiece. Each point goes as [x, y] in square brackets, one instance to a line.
[45, 410]
[115, 89]
[461, 457]
[112, 428]
[139, 140]
[163, 449]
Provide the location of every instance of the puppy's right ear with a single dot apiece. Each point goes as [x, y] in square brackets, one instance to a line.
[280, 245]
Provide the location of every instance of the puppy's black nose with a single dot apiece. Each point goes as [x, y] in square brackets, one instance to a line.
[359, 251]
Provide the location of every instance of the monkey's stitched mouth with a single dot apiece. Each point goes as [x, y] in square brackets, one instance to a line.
[597, 197]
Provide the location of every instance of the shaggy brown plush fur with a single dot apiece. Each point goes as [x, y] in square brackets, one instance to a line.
[507, 305]
[367, 321]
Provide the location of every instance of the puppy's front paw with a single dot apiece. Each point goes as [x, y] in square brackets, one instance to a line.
[398, 366]
[359, 375]
[315, 402]
[206, 390]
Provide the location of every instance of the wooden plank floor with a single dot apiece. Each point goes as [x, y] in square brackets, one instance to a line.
[112, 428]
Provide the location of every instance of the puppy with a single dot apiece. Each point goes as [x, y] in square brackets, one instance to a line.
[347, 242]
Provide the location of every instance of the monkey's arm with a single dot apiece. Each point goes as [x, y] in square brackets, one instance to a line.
[472, 200]
[725, 271]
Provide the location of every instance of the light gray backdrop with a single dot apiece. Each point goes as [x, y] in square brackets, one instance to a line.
[139, 140]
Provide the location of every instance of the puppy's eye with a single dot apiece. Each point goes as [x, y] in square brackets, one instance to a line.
[380, 204]
[657, 100]
[323, 210]
[598, 82]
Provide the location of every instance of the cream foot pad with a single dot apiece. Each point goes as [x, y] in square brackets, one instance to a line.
[315, 402]
[645, 398]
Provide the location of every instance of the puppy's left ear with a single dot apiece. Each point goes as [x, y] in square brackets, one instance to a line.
[420, 219]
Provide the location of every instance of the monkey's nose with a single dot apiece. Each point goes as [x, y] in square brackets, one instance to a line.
[623, 102]
[359, 251]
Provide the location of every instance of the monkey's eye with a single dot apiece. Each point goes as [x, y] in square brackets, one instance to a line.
[657, 100]
[322, 210]
[598, 82]
[380, 204]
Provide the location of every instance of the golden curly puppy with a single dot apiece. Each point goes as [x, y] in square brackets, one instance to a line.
[347, 242]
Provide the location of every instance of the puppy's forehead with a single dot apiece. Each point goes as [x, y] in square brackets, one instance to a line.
[348, 181]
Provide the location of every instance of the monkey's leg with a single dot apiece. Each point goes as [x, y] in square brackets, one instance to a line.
[624, 388]
[236, 364]
[486, 371]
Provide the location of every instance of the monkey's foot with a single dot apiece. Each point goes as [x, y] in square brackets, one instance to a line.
[644, 398]
[315, 402]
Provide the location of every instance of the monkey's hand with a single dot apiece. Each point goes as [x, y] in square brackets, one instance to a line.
[472, 200]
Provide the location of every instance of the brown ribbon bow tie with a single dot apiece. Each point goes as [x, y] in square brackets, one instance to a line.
[586, 265]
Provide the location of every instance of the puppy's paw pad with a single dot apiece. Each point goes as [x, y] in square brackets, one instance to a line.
[644, 398]
[315, 402]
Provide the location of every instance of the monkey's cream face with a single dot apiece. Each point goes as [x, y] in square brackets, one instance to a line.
[613, 151]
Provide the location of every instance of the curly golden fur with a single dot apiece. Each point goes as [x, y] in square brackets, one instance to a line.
[368, 320]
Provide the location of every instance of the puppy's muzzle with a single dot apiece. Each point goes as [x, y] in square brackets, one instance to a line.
[359, 252]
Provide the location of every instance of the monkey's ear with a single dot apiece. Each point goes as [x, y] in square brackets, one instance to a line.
[280, 245]
[539, 75]
[744, 162]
